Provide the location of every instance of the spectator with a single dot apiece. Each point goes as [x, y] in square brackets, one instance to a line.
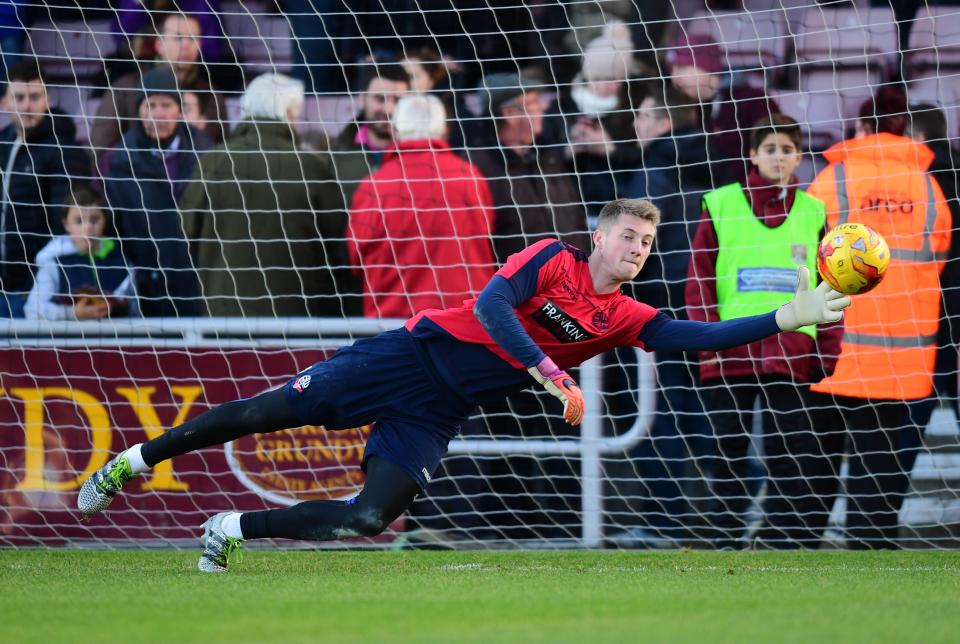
[146, 175]
[675, 174]
[430, 73]
[645, 20]
[592, 115]
[532, 192]
[40, 155]
[427, 71]
[192, 110]
[178, 47]
[889, 346]
[420, 226]
[739, 267]
[266, 219]
[695, 65]
[928, 125]
[534, 198]
[358, 150]
[90, 281]
[135, 18]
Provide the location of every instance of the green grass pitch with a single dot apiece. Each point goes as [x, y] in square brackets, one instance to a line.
[342, 596]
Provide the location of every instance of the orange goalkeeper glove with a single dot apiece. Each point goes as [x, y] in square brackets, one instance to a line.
[561, 386]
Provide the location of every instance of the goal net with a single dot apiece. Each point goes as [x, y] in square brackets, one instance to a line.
[201, 199]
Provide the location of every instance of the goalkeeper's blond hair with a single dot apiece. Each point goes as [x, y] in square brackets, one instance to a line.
[642, 208]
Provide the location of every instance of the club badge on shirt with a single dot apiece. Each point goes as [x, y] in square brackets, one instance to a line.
[302, 383]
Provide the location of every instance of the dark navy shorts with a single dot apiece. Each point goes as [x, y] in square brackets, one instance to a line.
[387, 380]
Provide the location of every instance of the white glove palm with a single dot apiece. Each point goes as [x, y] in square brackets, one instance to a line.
[811, 306]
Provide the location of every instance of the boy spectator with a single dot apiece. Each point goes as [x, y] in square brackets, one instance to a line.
[178, 49]
[146, 175]
[90, 281]
[745, 256]
[420, 226]
[695, 65]
[265, 218]
[358, 150]
[40, 155]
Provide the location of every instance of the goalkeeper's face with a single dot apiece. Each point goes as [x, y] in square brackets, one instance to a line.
[623, 246]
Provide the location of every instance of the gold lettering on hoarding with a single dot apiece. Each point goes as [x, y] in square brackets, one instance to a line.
[161, 476]
[34, 453]
[301, 463]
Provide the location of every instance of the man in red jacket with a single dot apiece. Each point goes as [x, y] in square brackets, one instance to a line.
[419, 232]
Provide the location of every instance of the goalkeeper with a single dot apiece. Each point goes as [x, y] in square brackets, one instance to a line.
[548, 309]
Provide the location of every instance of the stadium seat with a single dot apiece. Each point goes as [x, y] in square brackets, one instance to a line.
[852, 85]
[820, 114]
[857, 37]
[260, 40]
[847, 51]
[793, 11]
[71, 50]
[934, 41]
[751, 40]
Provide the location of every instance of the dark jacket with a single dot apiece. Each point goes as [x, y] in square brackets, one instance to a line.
[267, 222]
[946, 160]
[790, 355]
[675, 174]
[39, 182]
[144, 204]
[534, 197]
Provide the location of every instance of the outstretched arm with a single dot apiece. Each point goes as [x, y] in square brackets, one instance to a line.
[809, 306]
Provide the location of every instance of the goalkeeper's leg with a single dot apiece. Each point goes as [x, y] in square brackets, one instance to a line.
[389, 490]
[268, 412]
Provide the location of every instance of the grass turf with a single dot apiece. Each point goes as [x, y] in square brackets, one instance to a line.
[289, 596]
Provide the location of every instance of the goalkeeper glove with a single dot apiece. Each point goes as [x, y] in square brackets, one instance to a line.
[816, 306]
[561, 386]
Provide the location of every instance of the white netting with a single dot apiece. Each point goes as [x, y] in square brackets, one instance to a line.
[256, 246]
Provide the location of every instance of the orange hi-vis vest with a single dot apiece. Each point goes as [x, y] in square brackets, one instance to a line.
[890, 334]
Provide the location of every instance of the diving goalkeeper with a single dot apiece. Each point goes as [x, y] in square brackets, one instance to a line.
[549, 308]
